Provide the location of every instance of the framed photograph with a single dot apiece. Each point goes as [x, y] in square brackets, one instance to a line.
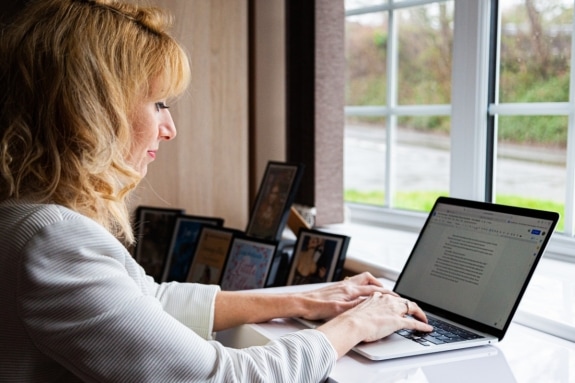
[274, 199]
[318, 257]
[248, 263]
[153, 229]
[183, 245]
[210, 255]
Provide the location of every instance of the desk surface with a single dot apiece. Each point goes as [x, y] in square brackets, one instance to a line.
[524, 355]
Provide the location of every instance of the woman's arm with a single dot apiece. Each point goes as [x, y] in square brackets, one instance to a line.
[360, 306]
[236, 308]
[90, 311]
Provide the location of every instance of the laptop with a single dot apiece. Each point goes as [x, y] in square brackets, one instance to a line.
[468, 269]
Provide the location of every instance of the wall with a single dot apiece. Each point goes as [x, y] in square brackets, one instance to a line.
[315, 102]
[267, 86]
[205, 169]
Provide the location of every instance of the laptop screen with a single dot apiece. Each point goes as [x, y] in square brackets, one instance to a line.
[475, 259]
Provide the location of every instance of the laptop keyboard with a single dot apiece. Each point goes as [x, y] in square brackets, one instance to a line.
[442, 333]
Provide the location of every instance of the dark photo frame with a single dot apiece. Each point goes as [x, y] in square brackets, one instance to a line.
[185, 236]
[248, 263]
[318, 257]
[153, 230]
[275, 196]
[210, 255]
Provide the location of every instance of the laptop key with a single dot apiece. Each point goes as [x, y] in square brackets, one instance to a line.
[442, 333]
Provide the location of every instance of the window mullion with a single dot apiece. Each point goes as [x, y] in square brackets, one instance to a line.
[469, 98]
[392, 80]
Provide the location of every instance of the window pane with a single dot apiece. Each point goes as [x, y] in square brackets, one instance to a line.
[535, 50]
[364, 160]
[423, 161]
[425, 54]
[531, 157]
[421, 156]
[366, 50]
[420, 159]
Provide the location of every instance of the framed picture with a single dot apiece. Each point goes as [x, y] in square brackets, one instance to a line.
[318, 257]
[273, 201]
[210, 255]
[248, 263]
[183, 245]
[153, 229]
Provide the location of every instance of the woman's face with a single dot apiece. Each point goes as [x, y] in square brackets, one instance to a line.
[151, 124]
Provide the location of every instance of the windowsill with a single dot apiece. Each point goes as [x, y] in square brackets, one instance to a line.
[548, 304]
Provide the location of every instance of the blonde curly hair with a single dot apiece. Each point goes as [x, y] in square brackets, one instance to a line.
[71, 72]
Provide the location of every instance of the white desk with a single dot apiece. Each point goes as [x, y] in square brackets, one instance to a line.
[524, 355]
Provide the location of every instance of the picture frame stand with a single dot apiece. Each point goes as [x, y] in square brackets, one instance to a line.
[296, 221]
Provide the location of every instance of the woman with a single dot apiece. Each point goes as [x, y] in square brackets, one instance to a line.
[83, 110]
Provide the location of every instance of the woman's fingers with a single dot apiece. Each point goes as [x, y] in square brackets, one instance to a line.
[391, 313]
[364, 278]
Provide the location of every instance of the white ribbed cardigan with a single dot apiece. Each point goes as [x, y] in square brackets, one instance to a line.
[75, 306]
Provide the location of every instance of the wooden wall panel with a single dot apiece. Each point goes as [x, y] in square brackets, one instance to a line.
[205, 169]
[268, 77]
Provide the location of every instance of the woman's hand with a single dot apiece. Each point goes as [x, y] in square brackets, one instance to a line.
[374, 318]
[233, 308]
[332, 300]
[349, 302]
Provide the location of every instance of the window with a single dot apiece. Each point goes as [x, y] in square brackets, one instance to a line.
[399, 58]
[474, 99]
[530, 108]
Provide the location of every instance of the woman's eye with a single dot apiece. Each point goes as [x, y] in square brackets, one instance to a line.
[161, 105]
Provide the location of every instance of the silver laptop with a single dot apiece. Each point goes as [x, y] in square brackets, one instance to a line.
[468, 270]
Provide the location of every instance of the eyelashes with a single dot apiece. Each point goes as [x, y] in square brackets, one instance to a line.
[161, 105]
